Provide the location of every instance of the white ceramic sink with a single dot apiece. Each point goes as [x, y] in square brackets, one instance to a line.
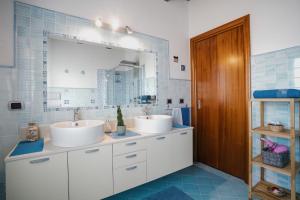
[79, 133]
[153, 123]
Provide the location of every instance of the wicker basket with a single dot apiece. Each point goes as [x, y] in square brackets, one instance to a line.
[275, 127]
[275, 159]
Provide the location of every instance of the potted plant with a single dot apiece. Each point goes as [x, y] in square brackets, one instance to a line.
[121, 128]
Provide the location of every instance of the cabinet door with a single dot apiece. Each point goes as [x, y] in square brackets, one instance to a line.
[38, 178]
[90, 173]
[182, 150]
[159, 158]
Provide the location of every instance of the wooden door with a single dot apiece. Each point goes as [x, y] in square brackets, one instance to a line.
[207, 100]
[220, 93]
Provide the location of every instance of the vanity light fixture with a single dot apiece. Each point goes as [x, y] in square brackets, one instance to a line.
[115, 24]
[128, 30]
[98, 22]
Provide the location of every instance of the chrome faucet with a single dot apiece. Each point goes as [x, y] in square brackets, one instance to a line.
[146, 110]
[76, 115]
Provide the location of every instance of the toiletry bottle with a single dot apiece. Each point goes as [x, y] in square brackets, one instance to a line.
[107, 127]
[32, 132]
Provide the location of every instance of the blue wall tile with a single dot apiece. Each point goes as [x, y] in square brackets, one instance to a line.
[275, 70]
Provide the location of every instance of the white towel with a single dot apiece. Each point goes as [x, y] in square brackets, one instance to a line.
[54, 96]
[177, 116]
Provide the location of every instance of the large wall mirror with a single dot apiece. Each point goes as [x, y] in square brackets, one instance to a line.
[94, 75]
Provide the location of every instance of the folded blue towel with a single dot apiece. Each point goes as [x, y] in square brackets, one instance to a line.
[25, 147]
[185, 116]
[179, 126]
[279, 93]
[128, 134]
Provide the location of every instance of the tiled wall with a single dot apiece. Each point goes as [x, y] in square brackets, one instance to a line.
[276, 70]
[25, 81]
[68, 97]
[272, 70]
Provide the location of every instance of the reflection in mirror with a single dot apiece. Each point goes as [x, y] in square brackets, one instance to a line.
[84, 74]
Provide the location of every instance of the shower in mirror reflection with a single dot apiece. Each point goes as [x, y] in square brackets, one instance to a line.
[98, 75]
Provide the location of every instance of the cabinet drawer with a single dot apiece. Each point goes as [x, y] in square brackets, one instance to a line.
[129, 177]
[129, 158]
[130, 146]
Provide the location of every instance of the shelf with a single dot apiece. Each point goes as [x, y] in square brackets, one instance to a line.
[261, 190]
[266, 131]
[275, 100]
[286, 170]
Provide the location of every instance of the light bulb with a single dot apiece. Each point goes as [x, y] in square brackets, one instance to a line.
[98, 22]
[115, 24]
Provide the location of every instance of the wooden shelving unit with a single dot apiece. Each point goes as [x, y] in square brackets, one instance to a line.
[265, 131]
[260, 190]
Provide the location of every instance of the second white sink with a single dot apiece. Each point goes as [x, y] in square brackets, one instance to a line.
[79, 133]
[153, 123]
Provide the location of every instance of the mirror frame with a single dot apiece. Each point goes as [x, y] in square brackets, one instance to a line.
[47, 35]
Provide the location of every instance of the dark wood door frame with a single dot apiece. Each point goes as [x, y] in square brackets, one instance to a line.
[245, 23]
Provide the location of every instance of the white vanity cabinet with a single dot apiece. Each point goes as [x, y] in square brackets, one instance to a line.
[159, 159]
[182, 150]
[129, 162]
[169, 153]
[98, 171]
[38, 178]
[90, 173]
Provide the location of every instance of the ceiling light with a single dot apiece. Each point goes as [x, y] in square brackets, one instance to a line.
[98, 22]
[115, 24]
[128, 30]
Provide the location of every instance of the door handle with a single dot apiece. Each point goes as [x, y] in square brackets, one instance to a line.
[131, 168]
[39, 160]
[199, 104]
[160, 138]
[131, 143]
[92, 151]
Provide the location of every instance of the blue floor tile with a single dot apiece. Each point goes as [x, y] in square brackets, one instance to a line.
[2, 191]
[199, 182]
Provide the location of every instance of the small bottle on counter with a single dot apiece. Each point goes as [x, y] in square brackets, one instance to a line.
[107, 127]
[32, 132]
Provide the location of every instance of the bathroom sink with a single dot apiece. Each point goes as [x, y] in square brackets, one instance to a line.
[79, 133]
[153, 123]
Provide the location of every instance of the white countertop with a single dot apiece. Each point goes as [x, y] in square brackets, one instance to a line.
[50, 149]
